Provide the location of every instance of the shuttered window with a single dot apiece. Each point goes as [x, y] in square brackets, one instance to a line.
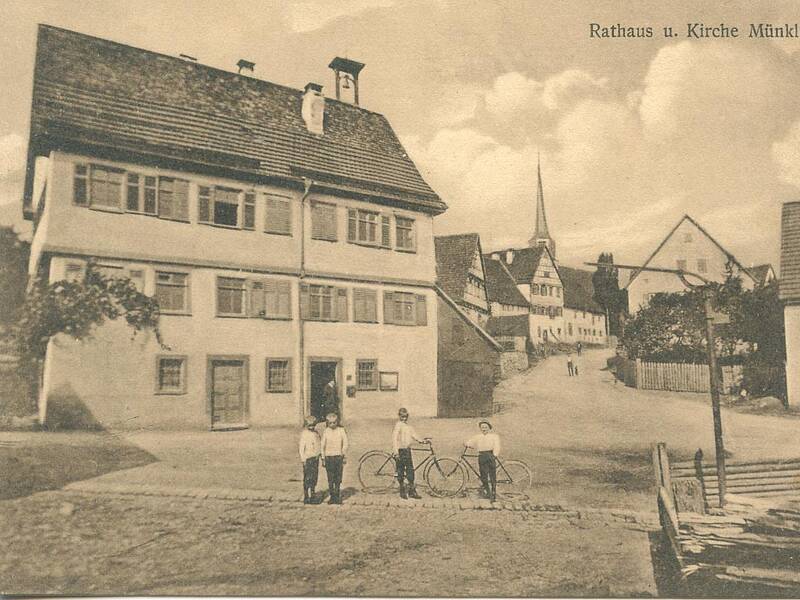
[323, 303]
[171, 375]
[369, 228]
[365, 306]
[80, 185]
[173, 199]
[172, 292]
[405, 234]
[279, 375]
[226, 207]
[105, 190]
[249, 215]
[204, 204]
[404, 308]
[270, 298]
[323, 222]
[279, 216]
[231, 296]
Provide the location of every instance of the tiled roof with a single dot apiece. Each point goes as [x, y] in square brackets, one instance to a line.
[524, 263]
[760, 272]
[96, 92]
[508, 325]
[578, 289]
[500, 285]
[454, 255]
[789, 286]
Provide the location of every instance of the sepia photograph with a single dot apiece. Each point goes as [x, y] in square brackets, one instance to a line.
[400, 298]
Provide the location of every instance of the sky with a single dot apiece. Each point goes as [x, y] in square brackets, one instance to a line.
[632, 133]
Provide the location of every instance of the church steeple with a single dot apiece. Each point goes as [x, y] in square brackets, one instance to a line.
[541, 235]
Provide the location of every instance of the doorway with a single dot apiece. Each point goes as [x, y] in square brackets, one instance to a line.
[228, 392]
[321, 373]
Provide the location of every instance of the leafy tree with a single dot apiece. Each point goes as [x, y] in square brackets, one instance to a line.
[605, 281]
[14, 254]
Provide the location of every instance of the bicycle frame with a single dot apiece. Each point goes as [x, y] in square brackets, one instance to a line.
[427, 449]
[498, 465]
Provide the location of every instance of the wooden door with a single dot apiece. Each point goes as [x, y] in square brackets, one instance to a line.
[228, 393]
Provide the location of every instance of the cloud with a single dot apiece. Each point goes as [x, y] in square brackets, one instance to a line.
[12, 153]
[315, 14]
[786, 153]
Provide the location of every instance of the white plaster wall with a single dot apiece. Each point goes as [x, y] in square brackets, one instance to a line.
[791, 314]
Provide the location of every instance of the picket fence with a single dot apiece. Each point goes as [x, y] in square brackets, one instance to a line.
[682, 377]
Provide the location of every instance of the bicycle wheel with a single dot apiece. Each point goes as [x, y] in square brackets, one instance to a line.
[445, 477]
[377, 471]
[514, 480]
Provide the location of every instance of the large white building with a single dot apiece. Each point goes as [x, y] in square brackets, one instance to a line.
[286, 236]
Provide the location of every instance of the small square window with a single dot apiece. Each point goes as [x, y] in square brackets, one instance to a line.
[171, 375]
[279, 375]
[367, 374]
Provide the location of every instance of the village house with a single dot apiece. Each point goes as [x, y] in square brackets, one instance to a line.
[688, 247]
[584, 319]
[286, 235]
[789, 291]
[460, 273]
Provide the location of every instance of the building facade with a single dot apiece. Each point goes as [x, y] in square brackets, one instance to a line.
[460, 273]
[286, 236]
[789, 291]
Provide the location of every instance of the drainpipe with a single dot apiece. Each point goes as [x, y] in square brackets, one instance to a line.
[307, 184]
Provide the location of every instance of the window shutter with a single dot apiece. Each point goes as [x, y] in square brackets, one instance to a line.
[422, 310]
[279, 216]
[271, 298]
[255, 293]
[166, 188]
[284, 293]
[371, 303]
[249, 216]
[359, 312]
[388, 307]
[352, 224]
[341, 304]
[305, 301]
[386, 231]
[204, 204]
[181, 200]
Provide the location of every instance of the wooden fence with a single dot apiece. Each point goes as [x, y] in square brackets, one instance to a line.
[682, 377]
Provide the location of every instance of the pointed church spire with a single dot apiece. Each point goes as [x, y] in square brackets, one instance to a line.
[541, 235]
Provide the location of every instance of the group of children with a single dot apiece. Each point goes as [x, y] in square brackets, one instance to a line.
[331, 448]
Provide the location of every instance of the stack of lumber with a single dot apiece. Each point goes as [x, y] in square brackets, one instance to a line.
[755, 543]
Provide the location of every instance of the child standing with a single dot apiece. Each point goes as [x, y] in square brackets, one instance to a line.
[402, 438]
[334, 450]
[488, 446]
[309, 457]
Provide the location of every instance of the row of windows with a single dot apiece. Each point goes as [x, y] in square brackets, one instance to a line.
[702, 264]
[118, 190]
[550, 311]
[171, 375]
[546, 290]
[583, 330]
[271, 298]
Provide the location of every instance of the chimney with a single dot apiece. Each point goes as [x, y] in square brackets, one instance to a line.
[346, 71]
[246, 65]
[313, 108]
[509, 256]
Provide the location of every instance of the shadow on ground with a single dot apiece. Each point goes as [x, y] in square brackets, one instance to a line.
[39, 462]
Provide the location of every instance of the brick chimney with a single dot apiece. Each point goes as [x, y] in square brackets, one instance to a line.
[313, 108]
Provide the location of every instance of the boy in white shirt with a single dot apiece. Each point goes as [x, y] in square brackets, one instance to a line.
[309, 457]
[402, 438]
[334, 450]
[488, 446]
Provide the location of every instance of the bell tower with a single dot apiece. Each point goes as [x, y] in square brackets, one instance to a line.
[541, 235]
[346, 71]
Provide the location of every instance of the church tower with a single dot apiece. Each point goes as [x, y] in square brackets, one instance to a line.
[541, 236]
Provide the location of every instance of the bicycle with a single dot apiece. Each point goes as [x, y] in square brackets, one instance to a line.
[377, 472]
[513, 480]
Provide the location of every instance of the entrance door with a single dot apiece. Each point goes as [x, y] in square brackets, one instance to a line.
[324, 401]
[228, 391]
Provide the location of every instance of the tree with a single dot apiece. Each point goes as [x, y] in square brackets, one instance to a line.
[14, 254]
[605, 281]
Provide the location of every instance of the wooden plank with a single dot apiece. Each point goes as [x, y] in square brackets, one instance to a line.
[766, 464]
[790, 474]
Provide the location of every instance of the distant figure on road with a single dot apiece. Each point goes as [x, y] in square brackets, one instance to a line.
[402, 438]
[330, 399]
[570, 365]
[488, 446]
[334, 451]
[309, 457]
[579, 348]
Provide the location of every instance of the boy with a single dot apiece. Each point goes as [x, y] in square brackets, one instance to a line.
[334, 449]
[488, 446]
[402, 438]
[570, 368]
[309, 457]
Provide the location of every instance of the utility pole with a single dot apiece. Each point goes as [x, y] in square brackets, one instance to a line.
[714, 383]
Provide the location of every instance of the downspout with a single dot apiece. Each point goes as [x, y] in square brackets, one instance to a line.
[307, 184]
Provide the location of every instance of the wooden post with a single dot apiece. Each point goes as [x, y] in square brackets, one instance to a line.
[698, 468]
[714, 383]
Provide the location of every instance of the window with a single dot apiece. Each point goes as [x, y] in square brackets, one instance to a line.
[362, 227]
[569, 328]
[226, 207]
[539, 331]
[323, 302]
[546, 274]
[702, 265]
[535, 289]
[404, 308]
[105, 189]
[249, 216]
[367, 374]
[558, 292]
[80, 185]
[279, 216]
[172, 292]
[270, 299]
[405, 238]
[543, 289]
[171, 375]
[365, 306]
[279, 375]
[323, 222]
[140, 194]
[173, 198]
[681, 262]
[230, 296]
